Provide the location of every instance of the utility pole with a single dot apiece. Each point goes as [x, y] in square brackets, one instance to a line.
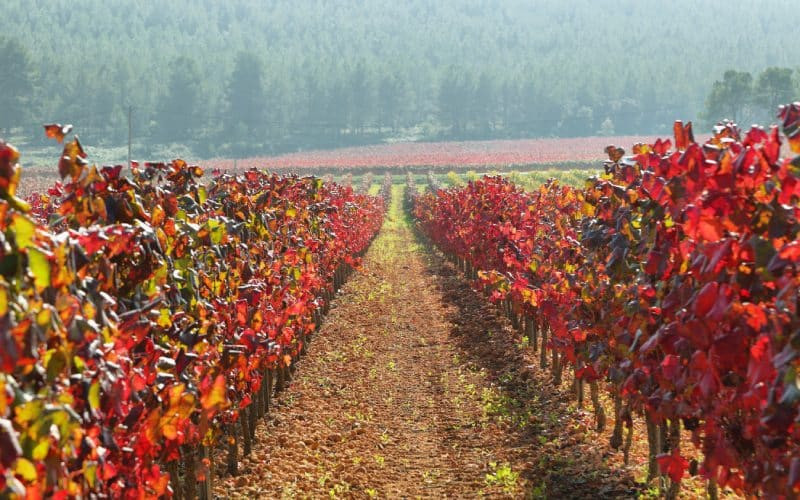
[130, 133]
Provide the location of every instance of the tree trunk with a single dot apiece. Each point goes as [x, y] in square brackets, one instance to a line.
[558, 368]
[543, 352]
[175, 480]
[252, 413]
[260, 397]
[626, 450]
[268, 401]
[663, 436]
[244, 424]
[713, 494]
[189, 473]
[578, 387]
[279, 382]
[616, 435]
[654, 446]
[233, 450]
[674, 439]
[207, 485]
[599, 412]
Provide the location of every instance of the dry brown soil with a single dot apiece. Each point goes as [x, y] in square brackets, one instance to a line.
[416, 387]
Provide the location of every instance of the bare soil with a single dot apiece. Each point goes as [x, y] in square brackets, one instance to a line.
[416, 387]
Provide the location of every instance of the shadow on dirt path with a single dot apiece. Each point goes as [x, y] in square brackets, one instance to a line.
[559, 453]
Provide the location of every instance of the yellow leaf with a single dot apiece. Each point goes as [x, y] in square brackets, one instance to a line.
[164, 319]
[90, 474]
[28, 412]
[45, 315]
[78, 363]
[40, 267]
[24, 229]
[3, 299]
[94, 395]
[41, 450]
[3, 404]
[26, 469]
[66, 398]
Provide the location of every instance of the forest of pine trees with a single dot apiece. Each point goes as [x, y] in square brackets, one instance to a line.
[449, 70]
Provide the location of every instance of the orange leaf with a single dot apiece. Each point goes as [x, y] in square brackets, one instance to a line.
[216, 396]
[57, 131]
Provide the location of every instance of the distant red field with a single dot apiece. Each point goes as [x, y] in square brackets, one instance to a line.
[500, 153]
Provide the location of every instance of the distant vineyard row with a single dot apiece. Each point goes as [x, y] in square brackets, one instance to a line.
[145, 318]
[439, 155]
[672, 280]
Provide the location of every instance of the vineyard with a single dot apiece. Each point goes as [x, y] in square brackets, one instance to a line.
[155, 321]
[670, 281]
[504, 154]
[148, 319]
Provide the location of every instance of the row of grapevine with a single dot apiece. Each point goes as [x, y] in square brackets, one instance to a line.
[433, 181]
[146, 319]
[672, 280]
[411, 191]
[366, 182]
[386, 190]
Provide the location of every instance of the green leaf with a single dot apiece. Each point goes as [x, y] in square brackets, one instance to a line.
[791, 390]
[55, 361]
[217, 231]
[90, 473]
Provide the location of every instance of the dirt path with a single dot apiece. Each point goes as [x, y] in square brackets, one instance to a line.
[415, 387]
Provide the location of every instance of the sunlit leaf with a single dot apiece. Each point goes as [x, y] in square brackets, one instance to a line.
[94, 395]
[40, 267]
[24, 230]
[3, 298]
[25, 469]
[215, 397]
[57, 131]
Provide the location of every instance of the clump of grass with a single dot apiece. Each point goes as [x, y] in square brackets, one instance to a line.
[502, 475]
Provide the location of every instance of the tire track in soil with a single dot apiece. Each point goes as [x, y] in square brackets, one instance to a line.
[415, 387]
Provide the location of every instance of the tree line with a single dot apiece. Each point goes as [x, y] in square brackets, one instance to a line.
[244, 78]
[745, 99]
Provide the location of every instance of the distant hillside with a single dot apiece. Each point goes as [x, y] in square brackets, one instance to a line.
[253, 77]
